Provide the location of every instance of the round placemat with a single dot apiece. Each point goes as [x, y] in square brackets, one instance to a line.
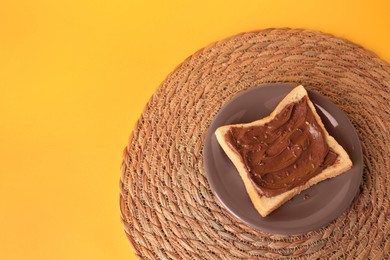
[167, 207]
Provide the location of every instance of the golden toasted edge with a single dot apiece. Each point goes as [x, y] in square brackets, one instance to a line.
[265, 205]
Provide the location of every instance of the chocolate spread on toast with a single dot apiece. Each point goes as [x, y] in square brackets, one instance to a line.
[285, 152]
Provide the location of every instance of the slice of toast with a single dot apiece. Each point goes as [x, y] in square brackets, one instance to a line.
[266, 204]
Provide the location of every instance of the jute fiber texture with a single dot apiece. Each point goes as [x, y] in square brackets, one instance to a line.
[167, 208]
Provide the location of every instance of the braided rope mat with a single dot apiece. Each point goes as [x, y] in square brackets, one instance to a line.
[167, 207]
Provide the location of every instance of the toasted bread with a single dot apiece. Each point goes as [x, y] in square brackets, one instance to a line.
[263, 204]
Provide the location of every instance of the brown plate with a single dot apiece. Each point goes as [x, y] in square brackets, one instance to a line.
[314, 207]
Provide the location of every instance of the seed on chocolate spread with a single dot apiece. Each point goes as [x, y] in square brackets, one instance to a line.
[312, 165]
[306, 122]
[295, 166]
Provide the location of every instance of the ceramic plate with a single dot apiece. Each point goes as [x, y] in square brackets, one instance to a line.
[314, 207]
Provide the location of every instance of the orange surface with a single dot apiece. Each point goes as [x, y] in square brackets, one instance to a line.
[74, 78]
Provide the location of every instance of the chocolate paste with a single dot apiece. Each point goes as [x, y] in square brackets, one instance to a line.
[285, 152]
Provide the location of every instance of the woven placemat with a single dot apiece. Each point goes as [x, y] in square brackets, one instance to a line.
[167, 207]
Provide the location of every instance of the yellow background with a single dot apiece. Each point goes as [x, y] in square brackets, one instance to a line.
[75, 76]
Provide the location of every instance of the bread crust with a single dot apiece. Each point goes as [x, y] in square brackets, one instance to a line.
[265, 205]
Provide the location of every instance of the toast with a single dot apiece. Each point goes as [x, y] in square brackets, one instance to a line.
[266, 189]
